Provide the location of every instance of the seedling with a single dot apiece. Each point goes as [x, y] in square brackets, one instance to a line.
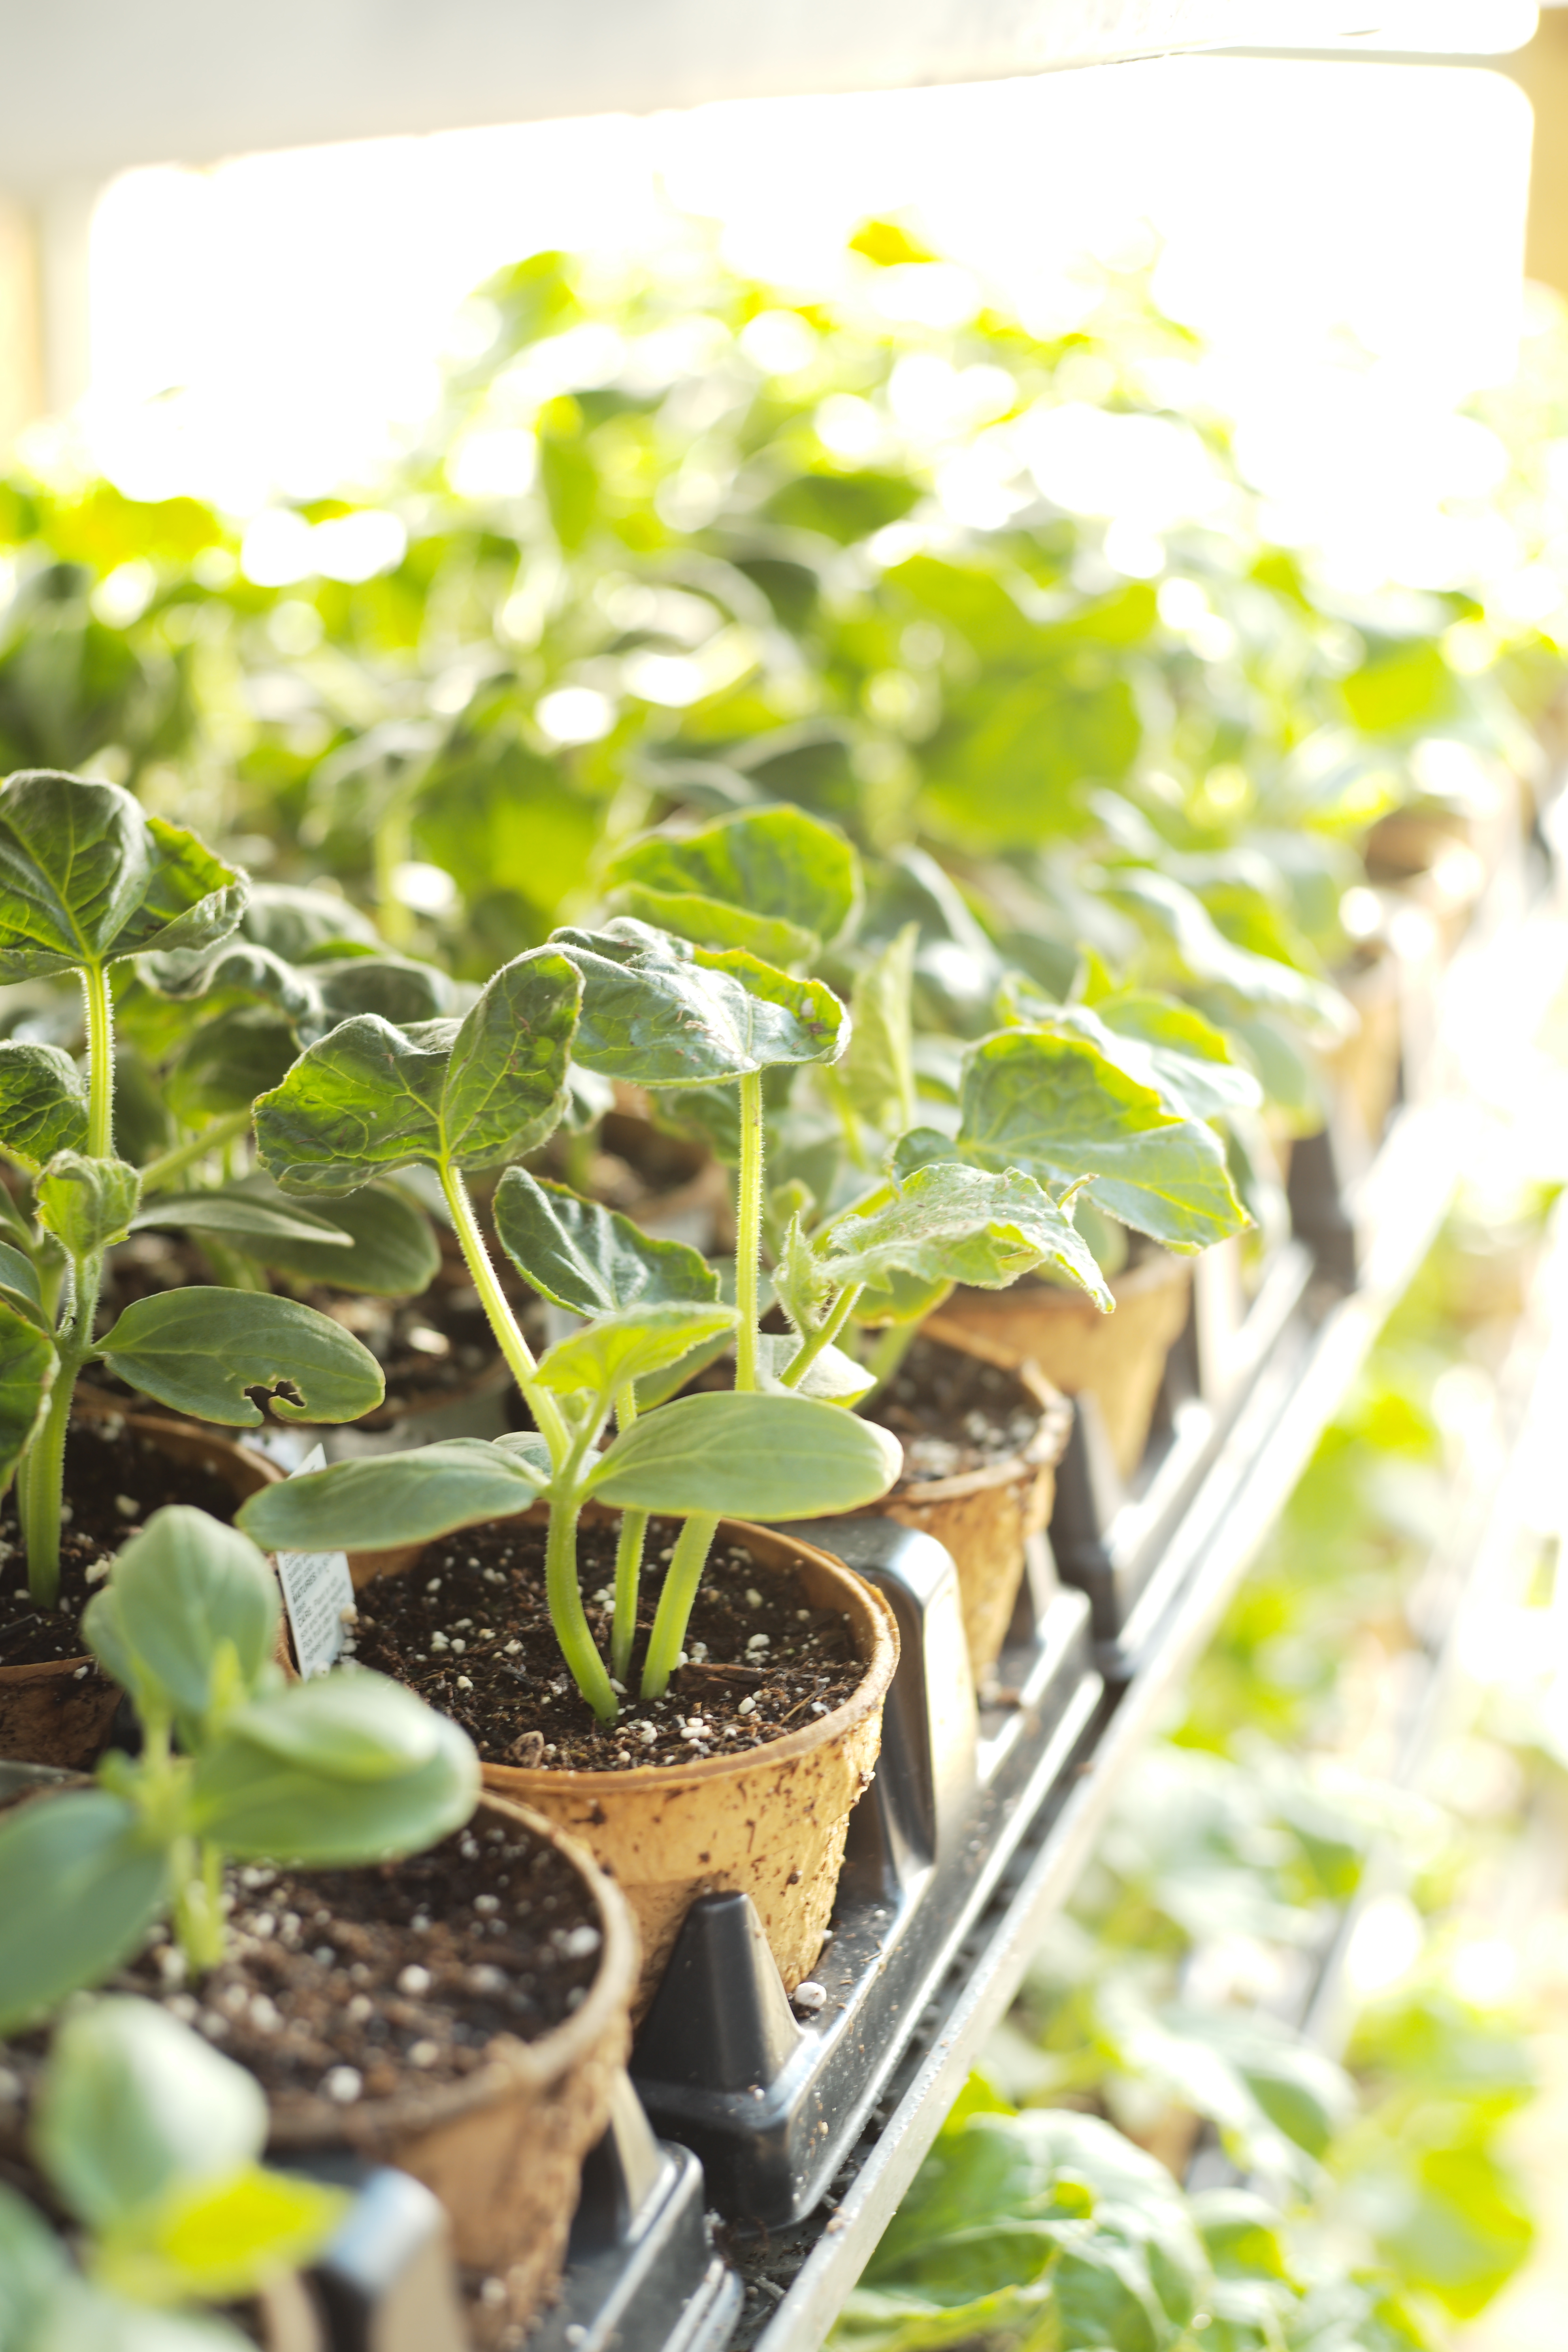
[632, 1003]
[236, 1764]
[151, 2140]
[87, 881]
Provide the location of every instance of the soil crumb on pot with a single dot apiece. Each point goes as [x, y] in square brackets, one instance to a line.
[952, 1413]
[467, 1628]
[115, 1479]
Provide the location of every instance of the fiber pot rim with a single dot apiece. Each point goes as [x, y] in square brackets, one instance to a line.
[1041, 1452]
[537, 2065]
[877, 1674]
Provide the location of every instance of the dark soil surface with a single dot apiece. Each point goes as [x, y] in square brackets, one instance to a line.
[114, 1480]
[952, 1413]
[467, 1628]
[350, 1984]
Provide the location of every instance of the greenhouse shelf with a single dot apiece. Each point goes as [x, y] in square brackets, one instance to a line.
[798, 2279]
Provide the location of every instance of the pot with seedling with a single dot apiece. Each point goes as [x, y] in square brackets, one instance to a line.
[300, 1869]
[86, 882]
[678, 1788]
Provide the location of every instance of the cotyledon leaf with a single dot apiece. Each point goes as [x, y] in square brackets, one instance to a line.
[958, 1223]
[106, 1880]
[755, 1456]
[19, 1286]
[237, 1213]
[202, 1348]
[1055, 1107]
[86, 878]
[43, 1103]
[589, 1259]
[395, 1498]
[392, 1253]
[28, 1367]
[658, 1011]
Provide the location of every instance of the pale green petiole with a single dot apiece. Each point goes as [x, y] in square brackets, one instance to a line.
[749, 1230]
[628, 1560]
[675, 1603]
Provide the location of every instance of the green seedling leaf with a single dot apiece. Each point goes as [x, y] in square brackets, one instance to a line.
[954, 1223]
[344, 1768]
[134, 2105]
[43, 1104]
[395, 1499]
[201, 1349]
[33, 2270]
[87, 1203]
[85, 2317]
[898, 1298]
[28, 1367]
[229, 1061]
[19, 1286]
[878, 1069]
[192, 1611]
[393, 1252]
[221, 2241]
[762, 1457]
[1261, 984]
[370, 1098]
[1054, 1106]
[659, 1013]
[631, 1345]
[774, 881]
[240, 1213]
[86, 878]
[833, 1376]
[1156, 1040]
[106, 1885]
[589, 1259]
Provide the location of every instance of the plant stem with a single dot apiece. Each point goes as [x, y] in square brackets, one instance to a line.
[41, 1479]
[799, 1365]
[502, 1322]
[161, 1172]
[99, 1063]
[629, 1559]
[748, 1230]
[675, 1602]
[568, 1615]
[198, 1871]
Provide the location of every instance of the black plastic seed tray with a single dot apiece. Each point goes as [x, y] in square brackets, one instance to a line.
[769, 2095]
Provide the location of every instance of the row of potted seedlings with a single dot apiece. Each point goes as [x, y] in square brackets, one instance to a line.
[579, 1616]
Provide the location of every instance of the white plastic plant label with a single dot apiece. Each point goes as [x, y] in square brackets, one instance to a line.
[317, 1592]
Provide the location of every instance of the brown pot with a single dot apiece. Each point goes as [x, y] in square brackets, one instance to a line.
[985, 1517]
[1364, 1069]
[1120, 1359]
[771, 1822]
[59, 1712]
[503, 2150]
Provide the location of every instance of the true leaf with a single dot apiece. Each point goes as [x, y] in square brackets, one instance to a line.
[954, 1224]
[27, 1368]
[878, 1069]
[710, 923]
[1156, 1040]
[831, 1375]
[279, 1786]
[1054, 1107]
[239, 1214]
[589, 1259]
[394, 1498]
[1259, 982]
[228, 1062]
[87, 878]
[200, 1350]
[630, 1345]
[506, 1083]
[43, 1103]
[393, 1252]
[106, 1884]
[751, 1457]
[659, 1013]
[789, 881]
[133, 2104]
[87, 1203]
[181, 1592]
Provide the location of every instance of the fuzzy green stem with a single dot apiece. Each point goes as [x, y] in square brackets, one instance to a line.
[198, 1871]
[628, 1560]
[748, 1230]
[502, 1322]
[99, 1063]
[568, 1615]
[799, 1365]
[675, 1603]
[161, 1172]
[42, 1475]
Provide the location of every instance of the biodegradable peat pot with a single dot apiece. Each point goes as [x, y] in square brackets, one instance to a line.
[55, 1712]
[502, 2149]
[985, 1516]
[770, 1820]
[1120, 1359]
